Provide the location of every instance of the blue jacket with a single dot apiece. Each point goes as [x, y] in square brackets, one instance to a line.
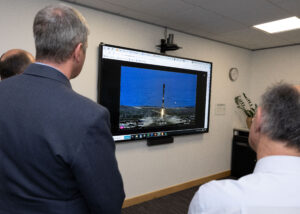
[57, 154]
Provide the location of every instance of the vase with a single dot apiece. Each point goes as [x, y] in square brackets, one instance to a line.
[249, 121]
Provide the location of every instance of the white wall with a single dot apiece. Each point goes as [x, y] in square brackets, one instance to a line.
[272, 66]
[146, 169]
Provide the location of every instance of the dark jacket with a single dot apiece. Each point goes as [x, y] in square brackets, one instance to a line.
[57, 154]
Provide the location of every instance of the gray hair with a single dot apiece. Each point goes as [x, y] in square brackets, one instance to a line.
[281, 114]
[57, 31]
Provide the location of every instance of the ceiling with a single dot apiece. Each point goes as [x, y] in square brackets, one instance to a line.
[226, 21]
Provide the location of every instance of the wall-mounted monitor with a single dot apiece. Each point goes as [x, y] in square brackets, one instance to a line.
[150, 95]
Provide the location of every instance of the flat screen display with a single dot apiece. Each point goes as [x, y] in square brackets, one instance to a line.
[150, 95]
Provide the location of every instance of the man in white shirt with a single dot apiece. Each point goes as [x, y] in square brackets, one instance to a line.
[274, 186]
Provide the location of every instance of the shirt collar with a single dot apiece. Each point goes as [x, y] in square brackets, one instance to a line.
[279, 164]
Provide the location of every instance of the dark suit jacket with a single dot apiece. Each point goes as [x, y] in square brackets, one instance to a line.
[57, 154]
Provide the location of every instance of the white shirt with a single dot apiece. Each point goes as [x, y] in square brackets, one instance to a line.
[274, 187]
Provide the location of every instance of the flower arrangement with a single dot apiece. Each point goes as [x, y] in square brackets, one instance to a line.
[244, 103]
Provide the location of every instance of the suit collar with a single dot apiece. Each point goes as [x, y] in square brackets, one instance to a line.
[37, 69]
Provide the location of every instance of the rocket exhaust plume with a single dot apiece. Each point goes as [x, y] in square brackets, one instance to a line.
[162, 112]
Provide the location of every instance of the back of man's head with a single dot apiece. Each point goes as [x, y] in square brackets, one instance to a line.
[14, 62]
[57, 31]
[281, 114]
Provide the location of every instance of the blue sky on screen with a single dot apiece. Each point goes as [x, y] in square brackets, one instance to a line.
[144, 87]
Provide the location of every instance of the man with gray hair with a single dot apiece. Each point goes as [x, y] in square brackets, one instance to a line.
[57, 154]
[274, 185]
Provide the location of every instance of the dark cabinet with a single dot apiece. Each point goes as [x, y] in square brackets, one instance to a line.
[243, 158]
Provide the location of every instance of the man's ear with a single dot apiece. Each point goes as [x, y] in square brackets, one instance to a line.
[297, 87]
[258, 119]
[78, 52]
